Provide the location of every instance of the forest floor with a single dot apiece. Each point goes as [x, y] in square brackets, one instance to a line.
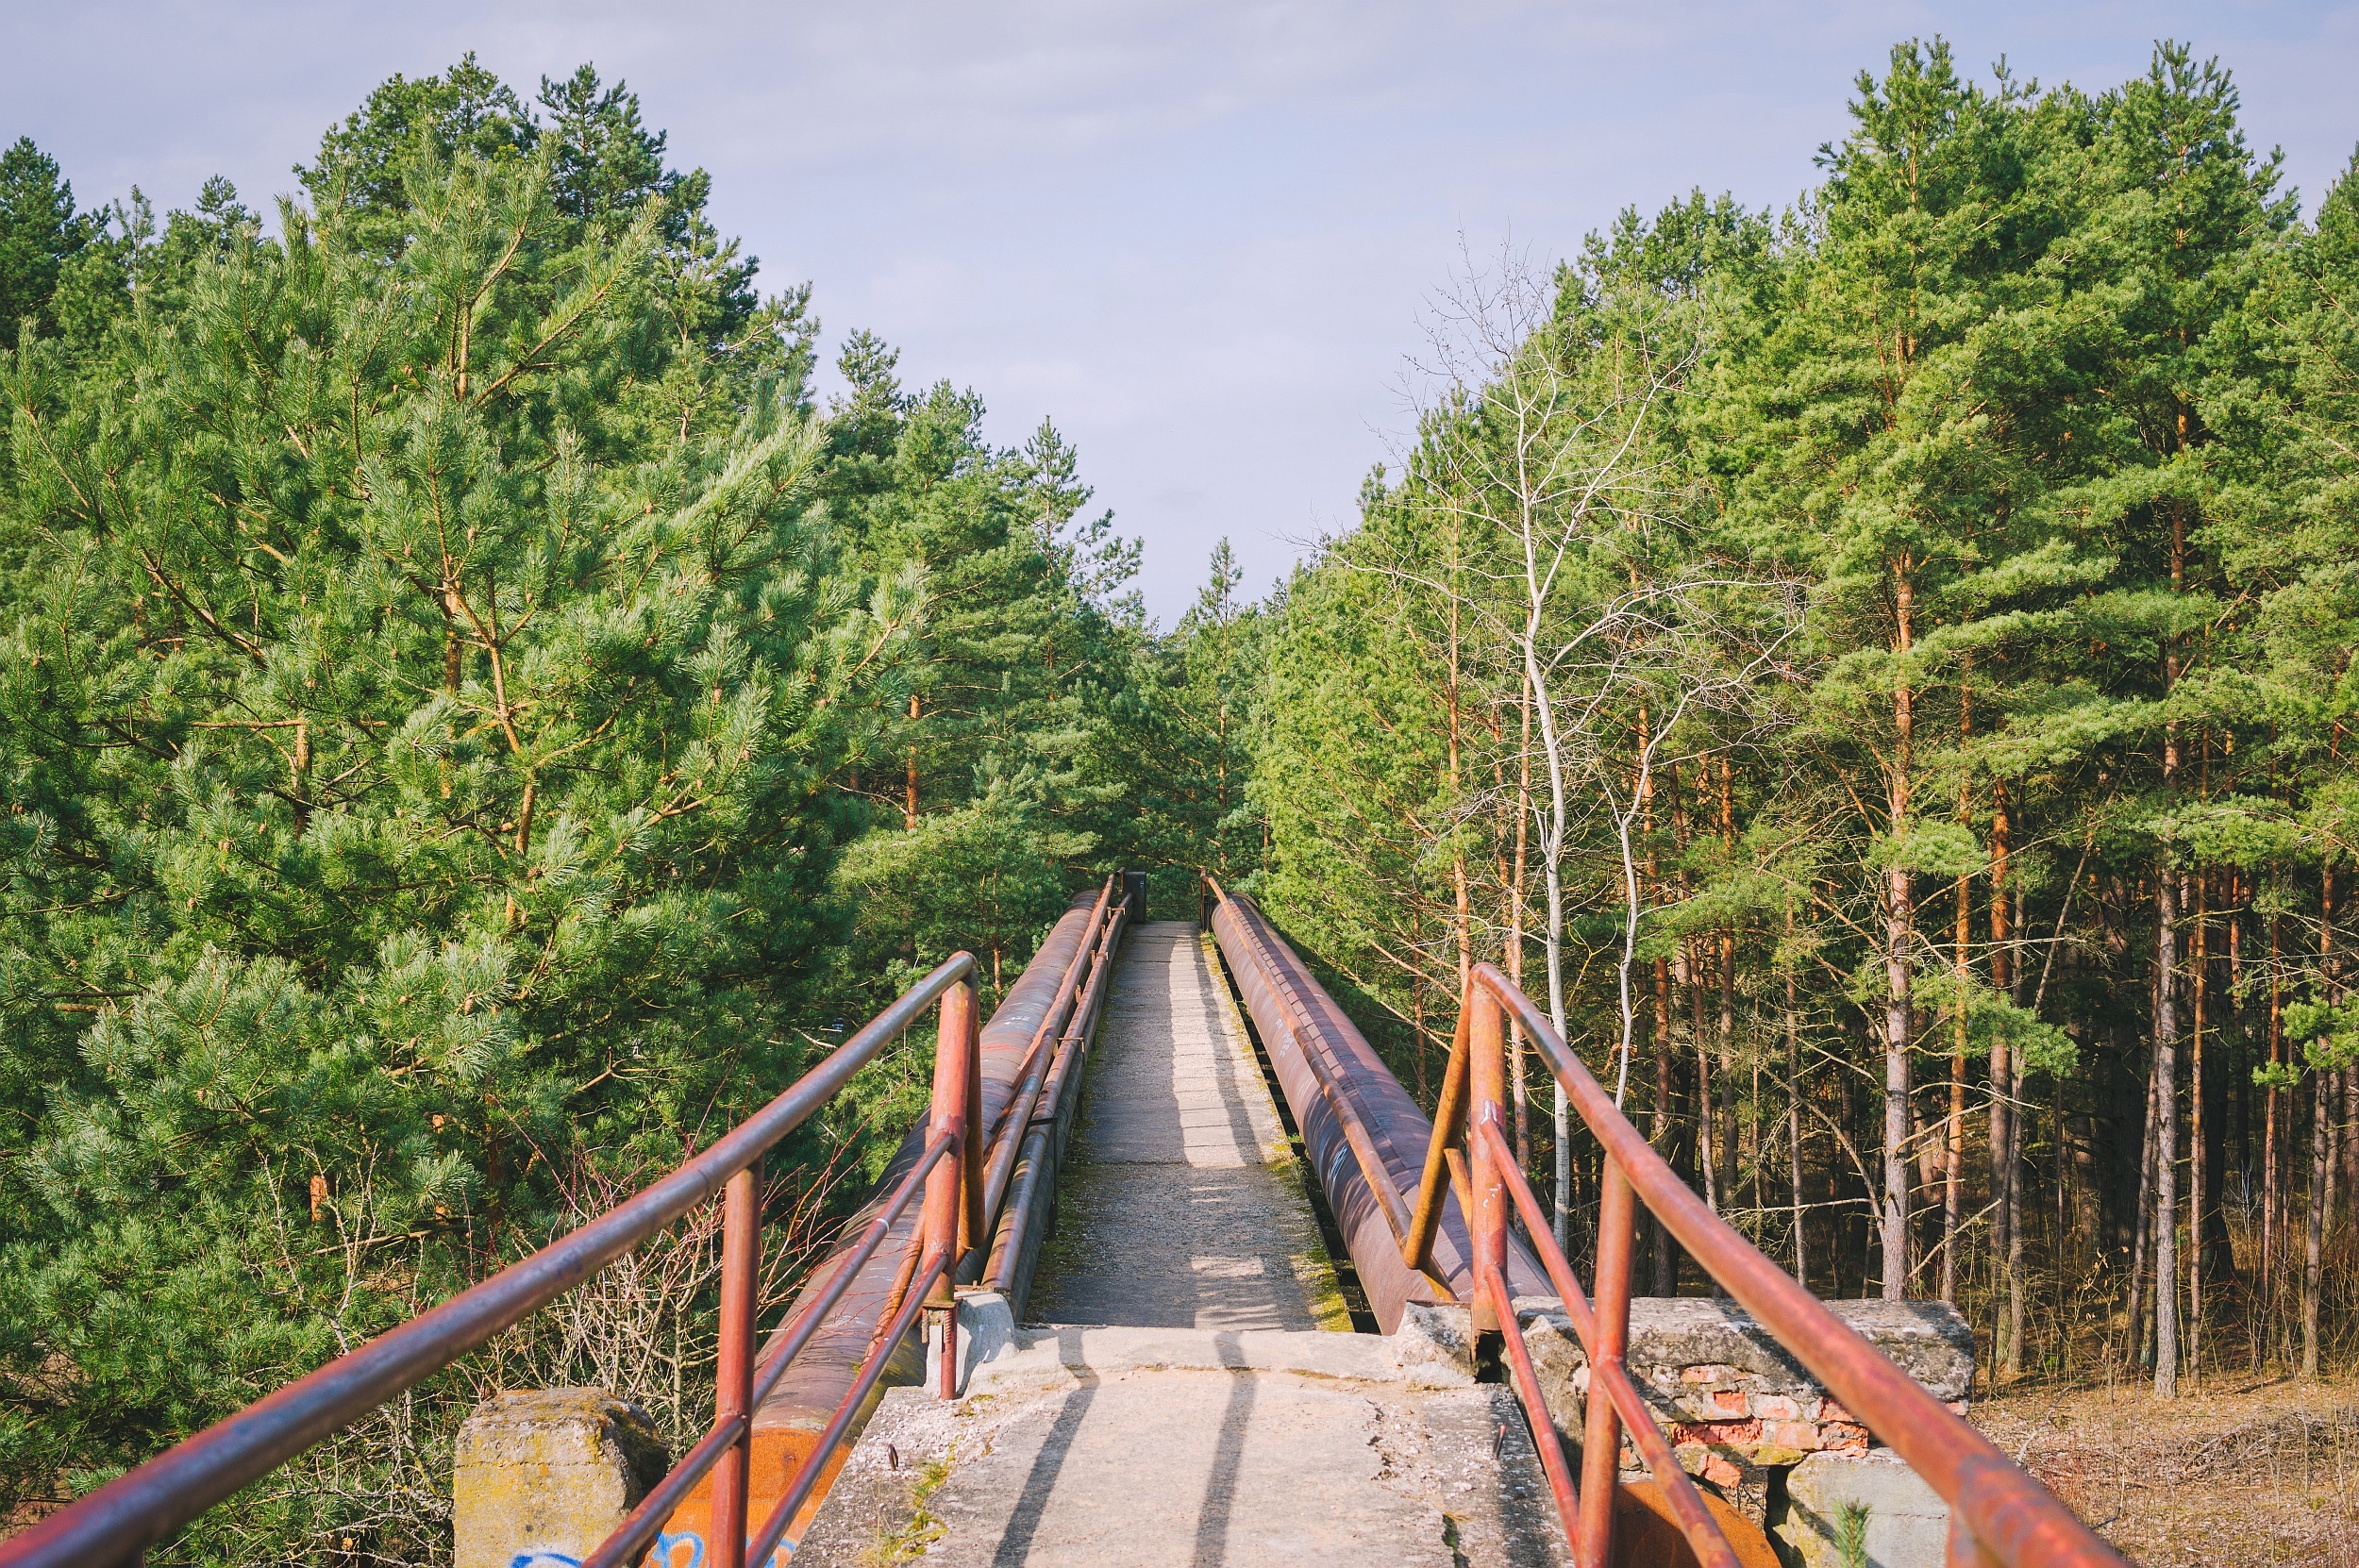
[2242, 1470]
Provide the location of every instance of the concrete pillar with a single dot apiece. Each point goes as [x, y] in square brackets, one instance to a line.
[542, 1476]
[1748, 1422]
[986, 1332]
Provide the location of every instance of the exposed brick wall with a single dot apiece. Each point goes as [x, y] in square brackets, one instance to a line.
[1734, 1404]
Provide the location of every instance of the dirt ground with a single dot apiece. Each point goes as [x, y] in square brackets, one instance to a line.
[2236, 1472]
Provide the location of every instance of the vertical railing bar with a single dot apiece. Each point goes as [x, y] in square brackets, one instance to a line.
[1486, 1085]
[1609, 1343]
[1545, 1437]
[950, 1189]
[741, 1270]
[974, 1232]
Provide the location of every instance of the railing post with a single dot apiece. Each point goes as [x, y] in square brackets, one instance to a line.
[954, 1186]
[1486, 1086]
[1601, 1427]
[974, 1232]
[741, 1271]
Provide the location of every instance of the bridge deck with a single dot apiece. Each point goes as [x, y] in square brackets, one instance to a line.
[1207, 1421]
[1182, 1205]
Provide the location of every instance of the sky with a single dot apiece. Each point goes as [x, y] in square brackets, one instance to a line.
[1200, 237]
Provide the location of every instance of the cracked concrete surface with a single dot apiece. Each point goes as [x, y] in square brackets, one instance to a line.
[1147, 1466]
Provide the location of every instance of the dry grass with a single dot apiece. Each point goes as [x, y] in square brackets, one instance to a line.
[2241, 1472]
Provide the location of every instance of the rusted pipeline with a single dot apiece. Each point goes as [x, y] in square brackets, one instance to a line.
[1039, 1051]
[1340, 1092]
[788, 1422]
[1024, 1222]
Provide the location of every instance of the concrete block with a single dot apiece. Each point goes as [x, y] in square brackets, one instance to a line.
[1435, 1346]
[1905, 1522]
[546, 1474]
[986, 1334]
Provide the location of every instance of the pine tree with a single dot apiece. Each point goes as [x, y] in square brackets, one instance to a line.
[405, 804]
[40, 235]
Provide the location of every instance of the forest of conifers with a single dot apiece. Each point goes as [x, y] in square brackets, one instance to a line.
[474, 722]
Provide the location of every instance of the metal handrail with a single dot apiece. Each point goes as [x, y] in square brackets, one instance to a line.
[638, 1531]
[119, 1520]
[1032, 1163]
[1999, 1513]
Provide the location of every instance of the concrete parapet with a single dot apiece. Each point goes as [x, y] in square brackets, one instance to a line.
[1724, 1390]
[542, 1476]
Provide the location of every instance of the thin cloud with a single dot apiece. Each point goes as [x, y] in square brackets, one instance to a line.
[1193, 235]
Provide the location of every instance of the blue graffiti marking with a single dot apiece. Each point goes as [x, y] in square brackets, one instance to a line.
[664, 1557]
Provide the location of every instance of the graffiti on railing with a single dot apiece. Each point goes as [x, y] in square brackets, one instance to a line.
[685, 1549]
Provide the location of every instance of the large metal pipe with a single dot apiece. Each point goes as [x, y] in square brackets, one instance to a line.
[1030, 1212]
[1340, 1092]
[788, 1424]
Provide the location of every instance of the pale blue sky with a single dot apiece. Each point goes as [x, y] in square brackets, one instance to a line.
[1196, 235]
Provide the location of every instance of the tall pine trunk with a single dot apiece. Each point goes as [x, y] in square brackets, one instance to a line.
[2166, 1134]
[2314, 1228]
[1794, 1108]
[2275, 1106]
[2197, 1168]
[2321, 1151]
[1953, 1175]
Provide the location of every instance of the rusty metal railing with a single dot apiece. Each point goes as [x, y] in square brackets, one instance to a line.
[1998, 1513]
[1042, 1109]
[117, 1522]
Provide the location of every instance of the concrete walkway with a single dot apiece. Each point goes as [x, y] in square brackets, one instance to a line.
[1182, 1205]
[1184, 1448]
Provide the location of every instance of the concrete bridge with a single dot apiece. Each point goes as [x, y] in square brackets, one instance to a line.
[1193, 1281]
[1173, 1376]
